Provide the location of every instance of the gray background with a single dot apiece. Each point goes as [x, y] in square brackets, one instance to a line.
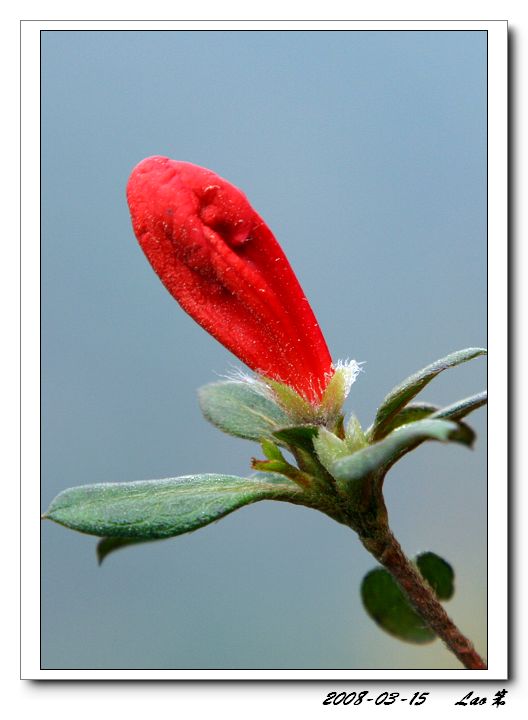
[365, 152]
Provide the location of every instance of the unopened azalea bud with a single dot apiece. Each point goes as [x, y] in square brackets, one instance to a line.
[221, 262]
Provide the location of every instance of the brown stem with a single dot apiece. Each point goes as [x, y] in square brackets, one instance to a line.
[388, 552]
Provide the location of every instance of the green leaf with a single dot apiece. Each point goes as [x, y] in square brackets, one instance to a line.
[271, 451]
[298, 437]
[379, 457]
[300, 441]
[151, 509]
[418, 411]
[438, 573]
[355, 438]
[107, 545]
[242, 409]
[409, 414]
[409, 388]
[329, 448]
[461, 408]
[388, 606]
[274, 466]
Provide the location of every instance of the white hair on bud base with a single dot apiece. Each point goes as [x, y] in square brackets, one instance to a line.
[350, 370]
[238, 374]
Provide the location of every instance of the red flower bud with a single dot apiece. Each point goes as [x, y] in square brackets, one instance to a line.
[221, 262]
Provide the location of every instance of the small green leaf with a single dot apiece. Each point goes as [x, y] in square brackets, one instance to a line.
[418, 411]
[107, 545]
[298, 437]
[242, 409]
[329, 448]
[465, 436]
[270, 450]
[461, 408]
[388, 606]
[274, 466]
[409, 414]
[151, 509]
[409, 388]
[354, 436]
[380, 456]
[438, 573]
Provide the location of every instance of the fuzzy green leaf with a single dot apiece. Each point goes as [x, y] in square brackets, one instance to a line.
[151, 509]
[388, 606]
[298, 437]
[355, 438]
[411, 386]
[418, 411]
[329, 448]
[379, 457]
[461, 408]
[270, 450]
[242, 409]
[409, 414]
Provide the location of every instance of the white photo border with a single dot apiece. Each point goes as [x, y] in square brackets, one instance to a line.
[497, 372]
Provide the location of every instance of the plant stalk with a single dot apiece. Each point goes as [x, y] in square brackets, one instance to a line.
[387, 550]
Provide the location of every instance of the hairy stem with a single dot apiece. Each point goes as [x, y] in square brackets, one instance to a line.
[388, 552]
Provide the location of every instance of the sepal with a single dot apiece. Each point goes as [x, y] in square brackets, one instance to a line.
[328, 410]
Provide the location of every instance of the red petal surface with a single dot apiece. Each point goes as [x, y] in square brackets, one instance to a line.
[221, 262]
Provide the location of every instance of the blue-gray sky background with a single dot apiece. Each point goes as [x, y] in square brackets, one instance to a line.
[365, 152]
